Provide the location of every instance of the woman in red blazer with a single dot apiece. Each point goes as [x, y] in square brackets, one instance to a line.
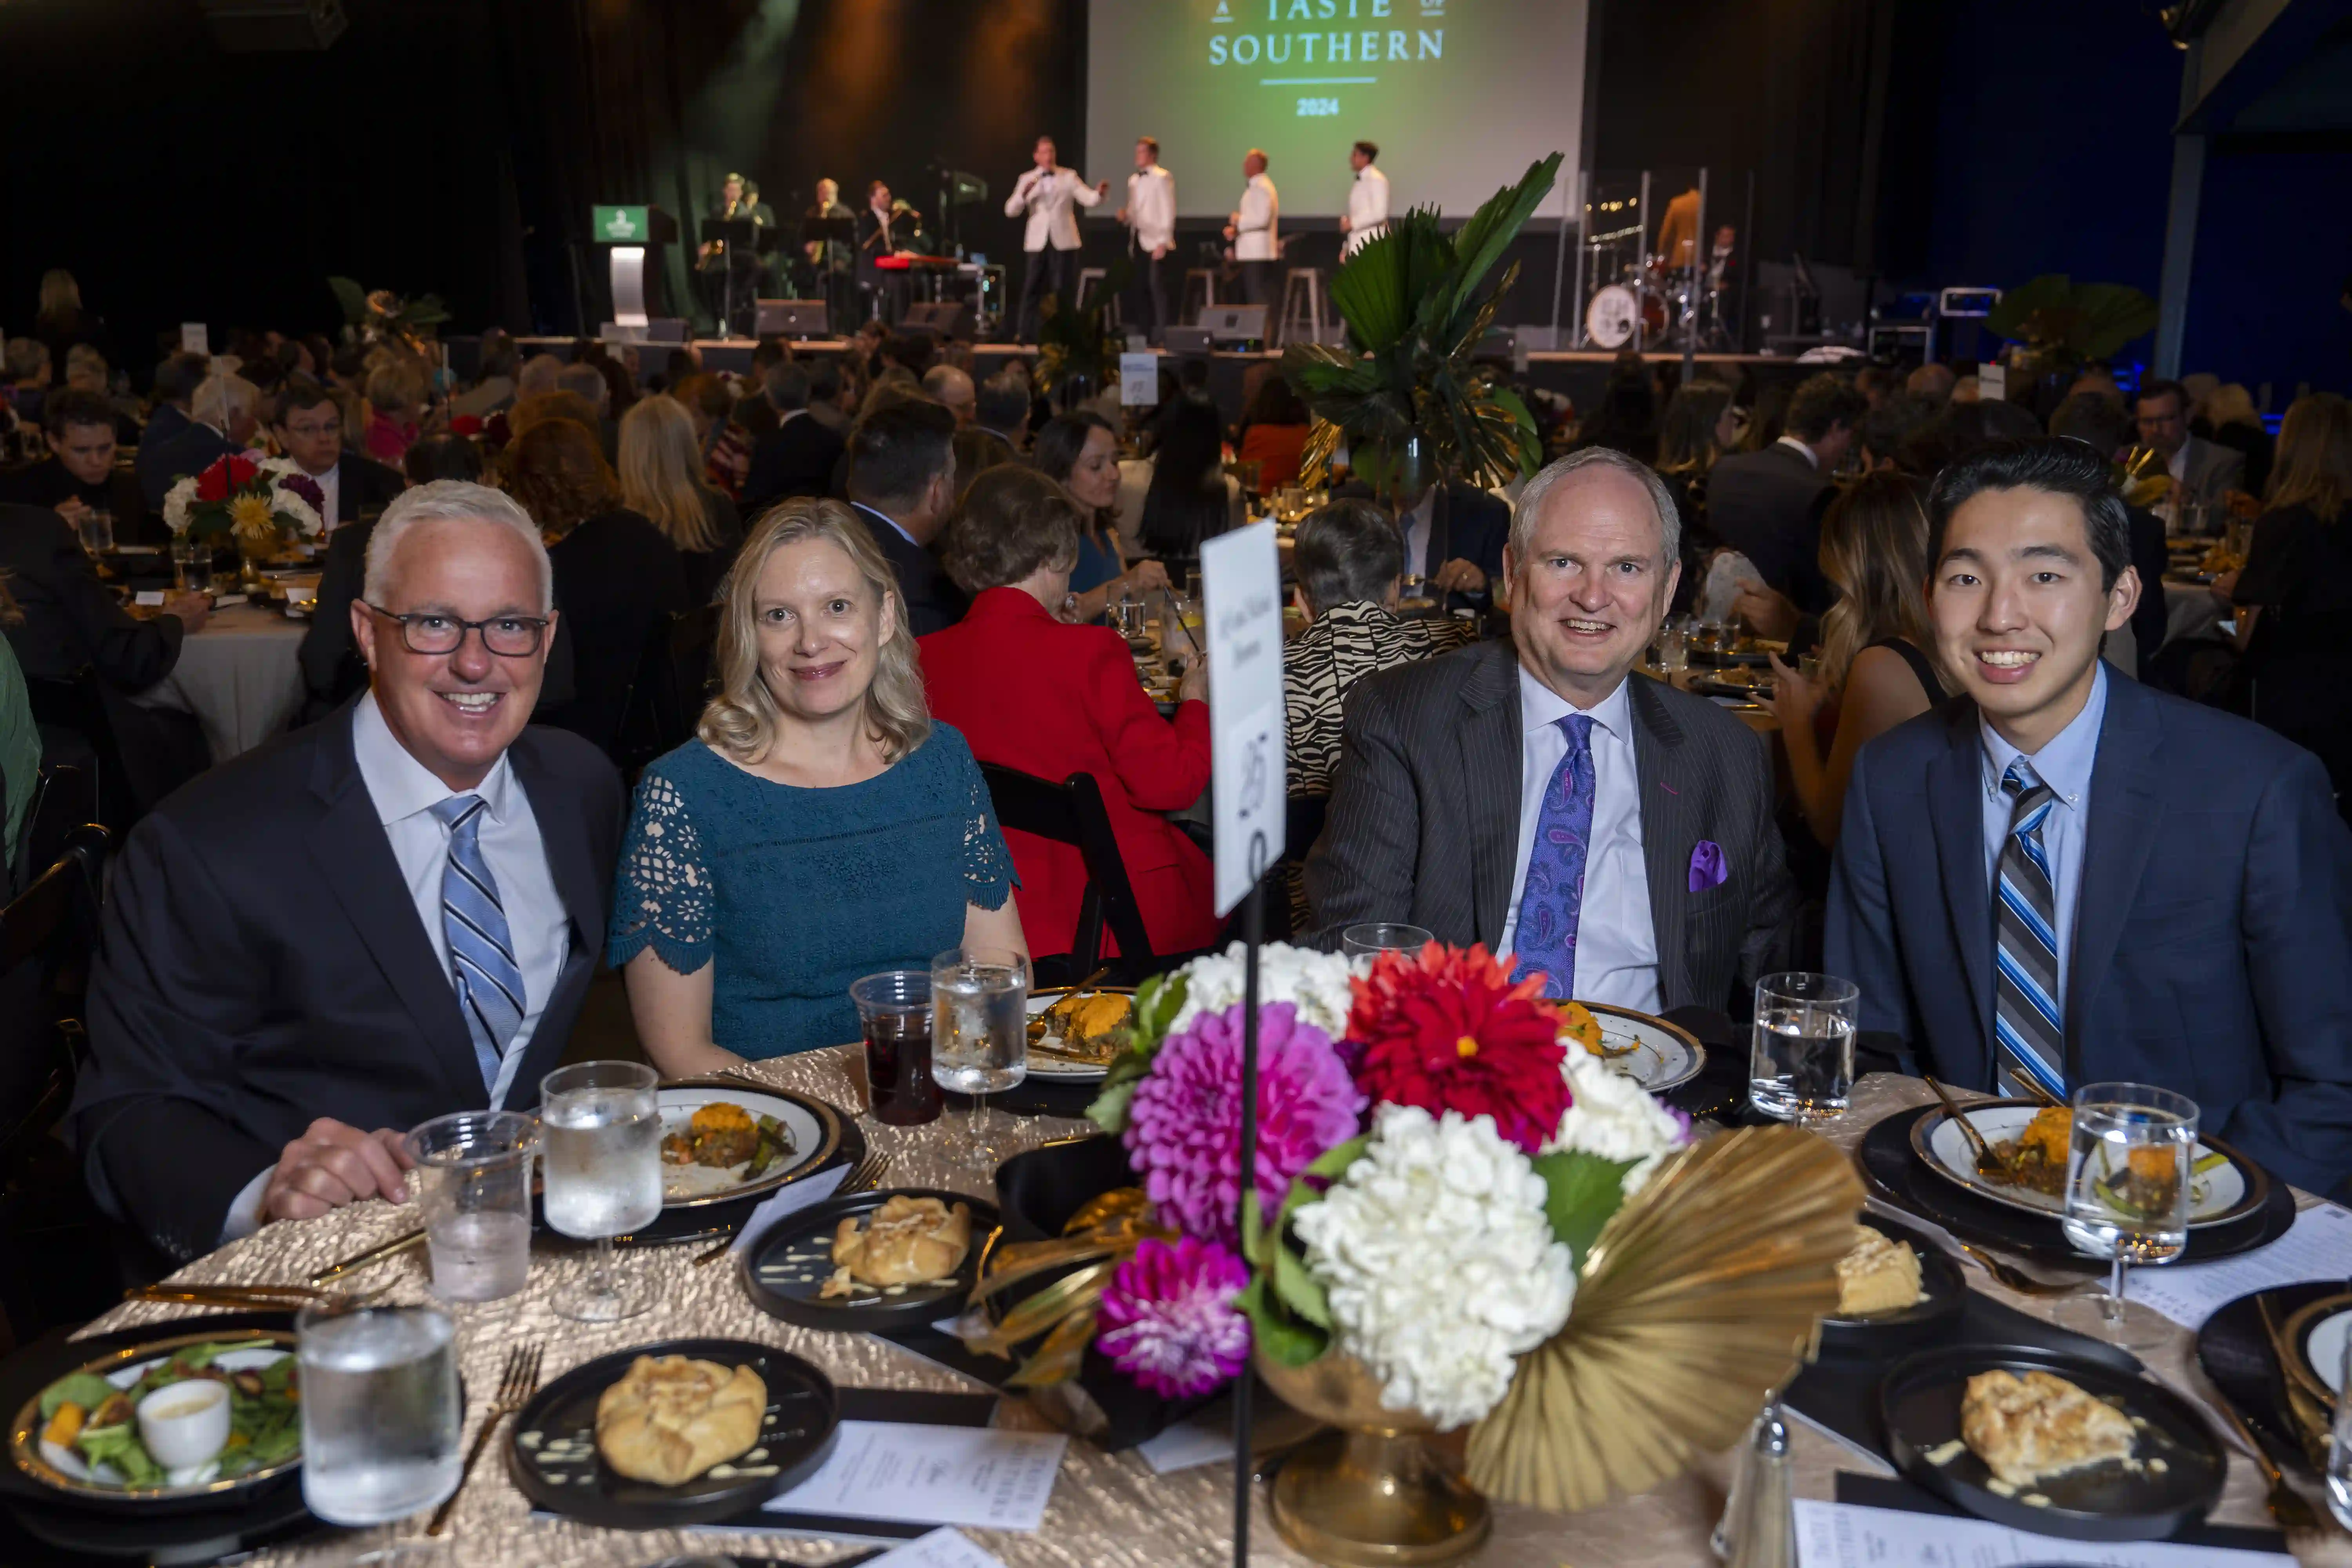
[1030, 692]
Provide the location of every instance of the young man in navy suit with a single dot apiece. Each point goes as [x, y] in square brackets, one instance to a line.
[2064, 877]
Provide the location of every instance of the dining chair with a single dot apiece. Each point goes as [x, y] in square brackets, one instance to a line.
[1072, 813]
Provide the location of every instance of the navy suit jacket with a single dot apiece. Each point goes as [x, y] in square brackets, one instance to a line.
[162, 464]
[2212, 931]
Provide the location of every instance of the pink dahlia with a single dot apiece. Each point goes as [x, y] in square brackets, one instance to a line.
[1183, 1127]
[1169, 1321]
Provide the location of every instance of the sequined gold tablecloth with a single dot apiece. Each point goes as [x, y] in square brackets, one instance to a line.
[1109, 1511]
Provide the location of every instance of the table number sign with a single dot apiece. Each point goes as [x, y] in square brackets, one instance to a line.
[1241, 572]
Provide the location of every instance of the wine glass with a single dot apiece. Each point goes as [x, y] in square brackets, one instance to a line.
[979, 1031]
[2128, 1172]
[602, 1149]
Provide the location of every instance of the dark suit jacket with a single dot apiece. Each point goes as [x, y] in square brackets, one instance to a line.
[1767, 505]
[165, 424]
[70, 618]
[46, 483]
[1465, 524]
[2211, 929]
[363, 485]
[162, 464]
[932, 600]
[1424, 821]
[617, 581]
[237, 996]
[796, 458]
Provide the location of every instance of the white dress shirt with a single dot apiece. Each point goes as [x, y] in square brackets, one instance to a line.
[1047, 197]
[1616, 947]
[1813, 458]
[1368, 209]
[2065, 764]
[1256, 225]
[403, 793]
[1151, 208]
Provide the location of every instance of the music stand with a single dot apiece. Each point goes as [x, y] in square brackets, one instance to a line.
[729, 233]
[838, 235]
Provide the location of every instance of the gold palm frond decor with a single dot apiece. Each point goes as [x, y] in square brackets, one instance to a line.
[1102, 1234]
[1700, 1296]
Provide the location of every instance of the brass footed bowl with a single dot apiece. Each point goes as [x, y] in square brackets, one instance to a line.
[1369, 1492]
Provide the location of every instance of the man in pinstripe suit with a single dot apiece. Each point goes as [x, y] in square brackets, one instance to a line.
[1538, 797]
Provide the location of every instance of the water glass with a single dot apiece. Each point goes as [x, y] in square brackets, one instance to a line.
[894, 1007]
[2339, 1445]
[600, 1126]
[1800, 1066]
[97, 531]
[379, 1411]
[191, 563]
[1673, 646]
[979, 1031]
[1129, 612]
[1411, 587]
[473, 1182]
[1364, 941]
[2128, 1172]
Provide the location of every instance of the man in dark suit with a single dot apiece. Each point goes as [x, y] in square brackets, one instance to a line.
[176, 380]
[70, 619]
[308, 423]
[2063, 877]
[902, 483]
[78, 475]
[224, 418]
[1453, 536]
[2200, 468]
[797, 457]
[261, 1041]
[1597, 826]
[1767, 505]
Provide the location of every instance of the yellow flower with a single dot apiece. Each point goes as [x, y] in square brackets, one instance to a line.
[251, 517]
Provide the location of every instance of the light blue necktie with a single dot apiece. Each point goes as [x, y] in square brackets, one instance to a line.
[481, 954]
[1552, 903]
[2028, 1021]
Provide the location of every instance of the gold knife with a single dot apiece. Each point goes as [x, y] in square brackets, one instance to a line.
[372, 1256]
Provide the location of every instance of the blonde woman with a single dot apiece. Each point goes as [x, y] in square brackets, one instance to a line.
[395, 394]
[819, 828]
[1875, 670]
[662, 477]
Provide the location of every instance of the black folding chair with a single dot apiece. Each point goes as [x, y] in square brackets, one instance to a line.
[1072, 813]
[77, 706]
[671, 685]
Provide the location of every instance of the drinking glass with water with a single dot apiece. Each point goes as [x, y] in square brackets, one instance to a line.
[97, 531]
[2339, 1446]
[1375, 937]
[473, 1182]
[2127, 1176]
[601, 1141]
[1801, 1067]
[979, 1031]
[1673, 646]
[379, 1411]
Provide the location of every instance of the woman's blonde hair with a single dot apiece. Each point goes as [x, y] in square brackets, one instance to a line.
[661, 472]
[59, 292]
[2231, 404]
[740, 721]
[396, 387]
[2315, 456]
[1874, 548]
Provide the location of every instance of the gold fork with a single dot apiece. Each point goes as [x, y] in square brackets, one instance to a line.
[866, 1174]
[515, 1387]
[2016, 1278]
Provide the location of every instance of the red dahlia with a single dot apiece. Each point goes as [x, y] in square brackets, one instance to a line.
[1446, 1030]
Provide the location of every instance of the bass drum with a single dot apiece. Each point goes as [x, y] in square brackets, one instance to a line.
[1611, 315]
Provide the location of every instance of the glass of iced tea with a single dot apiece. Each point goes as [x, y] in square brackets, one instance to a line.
[894, 1007]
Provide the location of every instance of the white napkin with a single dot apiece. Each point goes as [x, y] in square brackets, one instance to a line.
[800, 1196]
[1725, 577]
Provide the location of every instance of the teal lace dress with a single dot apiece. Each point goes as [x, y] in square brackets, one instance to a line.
[797, 892]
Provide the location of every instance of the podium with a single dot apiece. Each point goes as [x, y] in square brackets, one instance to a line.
[633, 237]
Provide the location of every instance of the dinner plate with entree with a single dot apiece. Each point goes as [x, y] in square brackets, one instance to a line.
[1074, 1034]
[2026, 1162]
[872, 1261]
[1654, 1053]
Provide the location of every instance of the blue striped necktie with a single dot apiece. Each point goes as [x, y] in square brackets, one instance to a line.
[481, 953]
[2029, 1020]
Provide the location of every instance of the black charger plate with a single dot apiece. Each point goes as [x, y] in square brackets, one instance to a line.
[1943, 1294]
[1897, 1171]
[2235, 1354]
[1919, 1405]
[784, 1270]
[803, 1421]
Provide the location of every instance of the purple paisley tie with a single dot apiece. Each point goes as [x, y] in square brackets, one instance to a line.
[1554, 896]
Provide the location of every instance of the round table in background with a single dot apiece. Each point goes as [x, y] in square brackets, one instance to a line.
[240, 676]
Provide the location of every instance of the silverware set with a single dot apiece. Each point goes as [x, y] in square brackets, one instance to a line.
[863, 1177]
[515, 1385]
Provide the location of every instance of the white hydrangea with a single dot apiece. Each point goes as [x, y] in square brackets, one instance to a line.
[1615, 1117]
[1438, 1261]
[291, 503]
[1317, 983]
[176, 502]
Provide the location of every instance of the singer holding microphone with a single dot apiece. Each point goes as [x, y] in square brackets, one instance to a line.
[1150, 218]
[1045, 192]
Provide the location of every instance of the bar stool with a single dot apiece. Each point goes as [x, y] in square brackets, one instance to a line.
[1302, 306]
[1200, 294]
[1090, 281]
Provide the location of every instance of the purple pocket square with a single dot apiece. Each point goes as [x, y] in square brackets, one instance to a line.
[1707, 869]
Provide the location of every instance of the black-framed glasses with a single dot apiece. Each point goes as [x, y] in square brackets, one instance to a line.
[509, 637]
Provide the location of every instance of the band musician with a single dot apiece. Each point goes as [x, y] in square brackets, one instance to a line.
[719, 263]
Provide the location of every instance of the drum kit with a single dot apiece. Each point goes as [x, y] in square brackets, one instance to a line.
[1638, 301]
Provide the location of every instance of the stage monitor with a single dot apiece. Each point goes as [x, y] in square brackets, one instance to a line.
[1460, 95]
[1234, 323]
[790, 318]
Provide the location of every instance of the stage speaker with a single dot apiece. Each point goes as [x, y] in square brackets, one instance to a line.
[243, 27]
[1234, 323]
[946, 319]
[790, 319]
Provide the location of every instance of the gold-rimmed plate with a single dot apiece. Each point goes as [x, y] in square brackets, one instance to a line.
[2314, 1338]
[2227, 1191]
[1655, 1054]
[1047, 1068]
[812, 1127]
[69, 1472]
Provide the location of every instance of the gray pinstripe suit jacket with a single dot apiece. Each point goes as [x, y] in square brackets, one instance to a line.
[1424, 822]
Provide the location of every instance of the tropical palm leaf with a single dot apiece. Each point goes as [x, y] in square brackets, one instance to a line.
[1491, 229]
[2109, 316]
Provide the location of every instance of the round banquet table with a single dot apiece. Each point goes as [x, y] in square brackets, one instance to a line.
[1107, 1511]
[240, 676]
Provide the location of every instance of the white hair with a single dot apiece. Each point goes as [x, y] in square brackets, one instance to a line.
[1531, 499]
[586, 380]
[221, 397]
[538, 374]
[451, 500]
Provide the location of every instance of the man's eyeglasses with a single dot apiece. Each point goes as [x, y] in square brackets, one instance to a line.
[312, 431]
[509, 637]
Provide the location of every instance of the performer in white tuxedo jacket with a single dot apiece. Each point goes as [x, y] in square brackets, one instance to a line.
[1367, 201]
[1051, 196]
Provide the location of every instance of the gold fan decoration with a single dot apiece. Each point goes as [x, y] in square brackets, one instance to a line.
[1101, 1236]
[1702, 1296]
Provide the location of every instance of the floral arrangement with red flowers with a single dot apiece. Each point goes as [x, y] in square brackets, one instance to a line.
[1445, 1029]
[258, 503]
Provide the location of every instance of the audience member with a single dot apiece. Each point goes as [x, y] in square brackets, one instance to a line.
[1885, 434]
[617, 579]
[725, 455]
[176, 380]
[2101, 423]
[1273, 434]
[442, 457]
[395, 394]
[222, 420]
[952, 389]
[496, 388]
[587, 383]
[1875, 669]
[1627, 418]
[1496, 793]
[61, 323]
[259, 1042]
[539, 374]
[1700, 426]
[913, 353]
[2230, 412]
[69, 620]
[1033, 694]
[541, 406]
[832, 392]
[1079, 451]
[309, 430]
[662, 481]
[1877, 383]
[79, 478]
[2295, 593]
[820, 828]
[901, 482]
[1189, 496]
[29, 369]
[1767, 504]
[2098, 381]
[2174, 884]
[976, 451]
[1931, 383]
[87, 371]
[2199, 469]
[1002, 404]
[799, 456]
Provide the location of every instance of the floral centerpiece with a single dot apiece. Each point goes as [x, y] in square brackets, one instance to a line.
[259, 503]
[1443, 1169]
